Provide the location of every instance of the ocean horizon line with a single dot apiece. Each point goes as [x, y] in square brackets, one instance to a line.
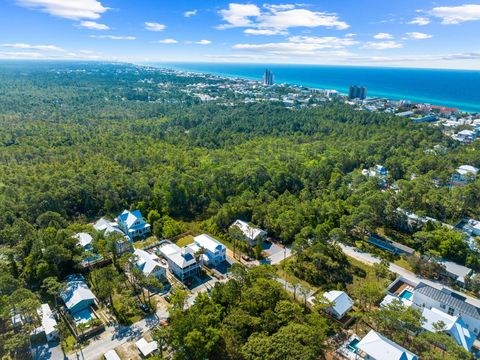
[427, 85]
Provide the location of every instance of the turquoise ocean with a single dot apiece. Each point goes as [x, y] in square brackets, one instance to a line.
[452, 88]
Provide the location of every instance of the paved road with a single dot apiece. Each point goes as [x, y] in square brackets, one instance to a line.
[279, 253]
[370, 259]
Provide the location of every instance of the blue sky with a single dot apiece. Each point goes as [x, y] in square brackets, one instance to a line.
[438, 34]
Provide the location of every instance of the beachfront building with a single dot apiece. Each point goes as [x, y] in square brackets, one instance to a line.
[132, 224]
[149, 264]
[214, 251]
[374, 346]
[181, 261]
[425, 296]
[251, 234]
[340, 302]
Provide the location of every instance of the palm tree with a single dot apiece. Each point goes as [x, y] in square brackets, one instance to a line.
[304, 291]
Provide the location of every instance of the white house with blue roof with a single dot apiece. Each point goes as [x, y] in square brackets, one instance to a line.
[133, 224]
[454, 326]
[78, 297]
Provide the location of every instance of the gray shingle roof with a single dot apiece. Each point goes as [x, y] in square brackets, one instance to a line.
[448, 299]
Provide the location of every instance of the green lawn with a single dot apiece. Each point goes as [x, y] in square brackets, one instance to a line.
[144, 243]
[359, 281]
[404, 264]
[68, 344]
[186, 240]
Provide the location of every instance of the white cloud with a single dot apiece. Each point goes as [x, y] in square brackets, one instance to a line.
[302, 46]
[167, 41]
[239, 15]
[92, 25]
[457, 14]
[301, 18]
[350, 35]
[69, 9]
[153, 26]
[286, 48]
[383, 36]
[420, 20]
[277, 17]
[280, 7]
[33, 47]
[20, 55]
[80, 55]
[190, 13]
[113, 37]
[203, 42]
[326, 42]
[382, 45]
[418, 36]
[264, 32]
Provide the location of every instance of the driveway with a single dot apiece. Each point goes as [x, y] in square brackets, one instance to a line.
[48, 351]
[369, 259]
[276, 252]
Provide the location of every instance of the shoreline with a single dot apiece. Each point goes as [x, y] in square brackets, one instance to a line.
[463, 107]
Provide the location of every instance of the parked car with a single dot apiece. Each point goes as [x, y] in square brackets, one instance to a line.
[144, 308]
[246, 257]
[168, 298]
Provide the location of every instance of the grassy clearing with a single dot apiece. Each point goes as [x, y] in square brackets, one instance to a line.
[186, 240]
[69, 344]
[127, 309]
[404, 264]
[370, 277]
[289, 277]
[144, 243]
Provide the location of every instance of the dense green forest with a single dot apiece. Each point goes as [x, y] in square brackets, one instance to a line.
[83, 140]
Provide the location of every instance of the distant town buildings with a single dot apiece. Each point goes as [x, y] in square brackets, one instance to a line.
[357, 92]
[268, 78]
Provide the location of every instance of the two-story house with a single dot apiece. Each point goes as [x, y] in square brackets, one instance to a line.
[181, 261]
[133, 224]
[251, 234]
[425, 296]
[214, 252]
[149, 264]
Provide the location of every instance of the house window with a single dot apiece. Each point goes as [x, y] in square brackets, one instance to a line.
[451, 311]
[442, 306]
